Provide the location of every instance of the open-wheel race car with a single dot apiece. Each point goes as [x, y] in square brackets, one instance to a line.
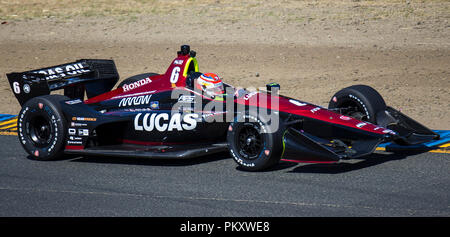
[174, 115]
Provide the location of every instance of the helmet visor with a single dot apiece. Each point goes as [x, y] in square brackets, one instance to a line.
[216, 89]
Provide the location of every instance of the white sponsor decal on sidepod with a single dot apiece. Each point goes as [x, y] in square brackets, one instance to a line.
[164, 122]
[136, 100]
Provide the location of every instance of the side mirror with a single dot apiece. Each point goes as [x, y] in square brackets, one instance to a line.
[273, 88]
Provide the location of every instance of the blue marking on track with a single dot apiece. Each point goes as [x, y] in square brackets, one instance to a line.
[6, 116]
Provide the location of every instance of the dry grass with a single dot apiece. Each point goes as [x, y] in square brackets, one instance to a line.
[287, 10]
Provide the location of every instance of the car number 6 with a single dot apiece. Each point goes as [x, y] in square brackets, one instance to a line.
[175, 75]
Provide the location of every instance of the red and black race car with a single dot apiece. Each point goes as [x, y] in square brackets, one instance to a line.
[164, 116]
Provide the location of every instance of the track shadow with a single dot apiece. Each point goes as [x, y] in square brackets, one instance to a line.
[150, 161]
[337, 168]
[343, 167]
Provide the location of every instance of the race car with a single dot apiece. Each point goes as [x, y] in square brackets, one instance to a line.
[174, 115]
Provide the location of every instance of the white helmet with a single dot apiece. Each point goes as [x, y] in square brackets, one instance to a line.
[211, 84]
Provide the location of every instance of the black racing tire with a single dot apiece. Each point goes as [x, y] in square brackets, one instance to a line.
[358, 101]
[42, 127]
[252, 145]
[136, 78]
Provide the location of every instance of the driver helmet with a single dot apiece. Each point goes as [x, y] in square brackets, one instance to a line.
[210, 84]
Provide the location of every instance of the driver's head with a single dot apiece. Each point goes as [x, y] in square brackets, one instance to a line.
[211, 84]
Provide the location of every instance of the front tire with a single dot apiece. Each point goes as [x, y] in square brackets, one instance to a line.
[359, 101]
[252, 145]
[42, 127]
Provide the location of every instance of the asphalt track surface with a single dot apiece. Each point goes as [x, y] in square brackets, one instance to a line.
[383, 184]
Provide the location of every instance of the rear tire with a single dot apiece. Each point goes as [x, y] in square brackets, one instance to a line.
[42, 127]
[359, 101]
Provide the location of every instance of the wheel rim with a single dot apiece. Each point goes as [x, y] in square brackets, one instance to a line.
[250, 141]
[40, 131]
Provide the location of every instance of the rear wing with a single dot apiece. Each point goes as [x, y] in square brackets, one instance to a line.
[93, 76]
